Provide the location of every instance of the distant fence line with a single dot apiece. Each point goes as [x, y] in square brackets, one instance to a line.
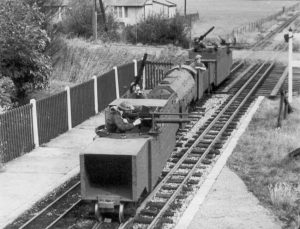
[252, 26]
[191, 17]
[26, 127]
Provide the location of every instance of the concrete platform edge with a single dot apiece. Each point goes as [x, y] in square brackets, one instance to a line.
[38, 198]
[199, 198]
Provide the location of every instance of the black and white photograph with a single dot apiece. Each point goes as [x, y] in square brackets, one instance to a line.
[150, 114]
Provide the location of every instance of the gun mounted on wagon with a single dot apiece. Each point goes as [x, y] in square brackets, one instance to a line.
[198, 42]
[153, 118]
[138, 78]
[149, 121]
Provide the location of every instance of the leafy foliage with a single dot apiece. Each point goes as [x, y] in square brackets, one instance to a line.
[46, 7]
[78, 22]
[156, 29]
[22, 46]
[7, 93]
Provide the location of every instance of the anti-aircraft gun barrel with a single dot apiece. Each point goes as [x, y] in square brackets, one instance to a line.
[172, 120]
[205, 34]
[140, 73]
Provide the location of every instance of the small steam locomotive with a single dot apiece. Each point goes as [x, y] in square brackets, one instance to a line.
[116, 171]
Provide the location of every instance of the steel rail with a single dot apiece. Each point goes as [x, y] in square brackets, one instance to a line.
[238, 66]
[271, 34]
[174, 195]
[50, 205]
[62, 215]
[241, 76]
[97, 225]
[193, 145]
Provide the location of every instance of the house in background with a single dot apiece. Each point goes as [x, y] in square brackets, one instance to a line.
[132, 11]
[56, 9]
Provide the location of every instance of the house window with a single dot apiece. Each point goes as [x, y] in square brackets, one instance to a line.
[120, 11]
[116, 11]
[126, 11]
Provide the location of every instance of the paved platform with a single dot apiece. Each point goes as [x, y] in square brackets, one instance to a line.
[229, 205]
[27, 179]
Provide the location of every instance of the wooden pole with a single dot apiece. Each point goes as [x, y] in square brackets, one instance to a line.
[103, 15]
[185, 8]
[290, 67]
[94, 22]
[285, 107]
[280, 109]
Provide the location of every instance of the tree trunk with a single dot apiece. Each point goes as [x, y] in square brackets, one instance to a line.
[103, 15]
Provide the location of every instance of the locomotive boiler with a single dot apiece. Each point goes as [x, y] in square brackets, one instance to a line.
[117, 171]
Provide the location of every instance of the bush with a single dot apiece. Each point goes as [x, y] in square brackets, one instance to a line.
[78, 22]
[7, 94]
[283, 194]
[158, 30]
[22, 46]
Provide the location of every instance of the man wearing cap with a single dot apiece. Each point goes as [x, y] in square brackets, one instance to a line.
[118, 118]
[197, 64]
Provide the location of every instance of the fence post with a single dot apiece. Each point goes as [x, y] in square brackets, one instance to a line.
[96, 94]
[285, 107]
[135, 68]
[280, 109]
[35, 123]
[69, 107]
[117, 82]
[290, 67]
[144, 78]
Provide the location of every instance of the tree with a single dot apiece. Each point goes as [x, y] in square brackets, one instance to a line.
[157, 29]
[22, 46]
[79, 18]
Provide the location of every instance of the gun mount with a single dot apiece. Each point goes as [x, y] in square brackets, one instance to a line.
[198, 41]
[155, 119]
[140, 73]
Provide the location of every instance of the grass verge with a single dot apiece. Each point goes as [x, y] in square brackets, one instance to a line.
[77, 60]
[261, 160]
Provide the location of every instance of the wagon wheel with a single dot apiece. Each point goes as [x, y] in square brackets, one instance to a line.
[121, 213]
[98, 214]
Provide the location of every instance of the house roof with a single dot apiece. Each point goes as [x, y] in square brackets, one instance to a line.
[55, 3]
[127, 2]
[165, 2]
[140, 2]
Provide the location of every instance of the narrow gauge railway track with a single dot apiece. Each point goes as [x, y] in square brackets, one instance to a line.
[253, 69]
[270, 82]
[159, 204]
[266, 40]
[49, 216]
[234, 73]
[267, 86]
[236, 66]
